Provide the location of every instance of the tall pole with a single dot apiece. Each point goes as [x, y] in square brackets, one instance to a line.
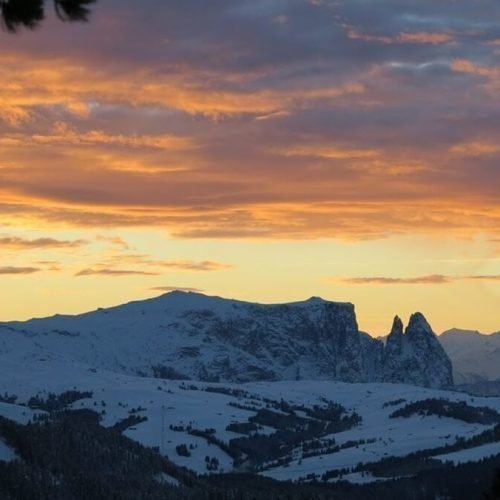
[162, 449]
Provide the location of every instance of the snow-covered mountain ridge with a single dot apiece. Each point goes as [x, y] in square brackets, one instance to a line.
[475, 356]
[192, 336]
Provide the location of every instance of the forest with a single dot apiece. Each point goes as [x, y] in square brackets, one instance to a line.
[68, 454]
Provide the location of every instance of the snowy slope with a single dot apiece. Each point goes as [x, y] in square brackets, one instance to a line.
[472, 455]
[475, 356]
[177, 403]
[193, 336]
[6, 454]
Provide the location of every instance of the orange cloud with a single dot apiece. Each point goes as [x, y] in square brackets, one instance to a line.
[433, 279]
[50, 265]
[349, 220]
[380, 280]
[331, 153]
[486, 277]
[490, 73]
[64, 83]
[64, 135]
[12, 270]
[354, 34]
[148, 266]
[176, 289]
[18, 243]
[181, 265]
[114, 272]
[466, 66]
[475, 149]
[425, 37]
[188, 265]
[418, 37]
[114, 240]
[13, 115]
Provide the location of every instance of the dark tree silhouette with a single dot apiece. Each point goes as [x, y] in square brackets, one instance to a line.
[30, 13]
[494, 494]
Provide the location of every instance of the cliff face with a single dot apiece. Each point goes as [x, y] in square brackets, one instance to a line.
[192, 336]
[311, 339]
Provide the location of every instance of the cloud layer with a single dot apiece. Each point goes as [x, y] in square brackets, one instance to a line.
[299, 119]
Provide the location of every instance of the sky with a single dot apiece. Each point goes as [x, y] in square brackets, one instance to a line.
[265, 150]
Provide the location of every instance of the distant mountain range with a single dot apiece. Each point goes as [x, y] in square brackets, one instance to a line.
[183, 335]
[476, 360]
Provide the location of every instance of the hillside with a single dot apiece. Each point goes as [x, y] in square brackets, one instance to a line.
[328, 427]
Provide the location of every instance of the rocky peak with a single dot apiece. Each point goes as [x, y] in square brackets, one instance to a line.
[315, 299]
[416, 357]
[395, 338]
[418, 325]
[397, 327]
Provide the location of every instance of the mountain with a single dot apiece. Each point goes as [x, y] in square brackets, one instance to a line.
[104, 373]
[475, 356]
[183, 335]
[416, 356]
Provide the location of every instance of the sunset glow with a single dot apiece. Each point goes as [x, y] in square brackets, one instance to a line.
[261, 150]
